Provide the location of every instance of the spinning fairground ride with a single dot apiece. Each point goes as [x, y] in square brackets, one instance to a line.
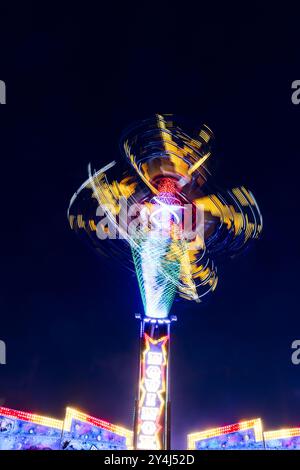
[171, 223]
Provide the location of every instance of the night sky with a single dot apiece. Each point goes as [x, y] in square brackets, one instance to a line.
[75, 77]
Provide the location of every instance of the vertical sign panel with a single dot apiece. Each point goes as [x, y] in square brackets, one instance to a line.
[152, 409]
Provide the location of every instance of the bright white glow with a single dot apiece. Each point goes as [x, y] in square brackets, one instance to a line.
[154, 358]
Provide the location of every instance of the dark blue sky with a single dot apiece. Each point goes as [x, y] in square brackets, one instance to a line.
[75, 77]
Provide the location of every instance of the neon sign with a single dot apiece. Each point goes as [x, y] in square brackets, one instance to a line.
[152, 402]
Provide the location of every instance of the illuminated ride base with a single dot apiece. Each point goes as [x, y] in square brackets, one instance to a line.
[245, 435]
[152, 410]
[168, 173]
[20, 430]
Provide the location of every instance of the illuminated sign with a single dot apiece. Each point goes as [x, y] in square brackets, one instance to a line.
[20, 430]
[152, 402]
[32, 418]
[283, 439]
[81, 431]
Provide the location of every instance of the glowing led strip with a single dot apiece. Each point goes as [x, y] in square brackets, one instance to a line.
[157, 275]
[199, 163]
[282, 433]
[242, 426]
[71, 414]
[158, 393]
[32, 418]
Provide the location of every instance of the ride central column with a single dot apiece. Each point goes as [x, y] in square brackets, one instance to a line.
[152, 411]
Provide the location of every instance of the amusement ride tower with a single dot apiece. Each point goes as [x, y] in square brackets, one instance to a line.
[176, 223]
